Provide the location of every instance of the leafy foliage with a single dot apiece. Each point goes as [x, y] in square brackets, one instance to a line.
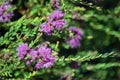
[96, 59]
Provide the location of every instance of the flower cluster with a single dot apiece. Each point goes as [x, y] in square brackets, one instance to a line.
[5, 14]
[42, 57]
[75, 37]
[55, 22]
[46, 59]
[56, 4]
[22, 50]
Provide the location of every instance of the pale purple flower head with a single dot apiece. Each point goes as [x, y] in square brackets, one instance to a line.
[47, 28]
[46, 58]
[49, 61]
[44, 51]
[32, 55]
[75, 38]
[50, 26]
[56, 4]
[58, 14]
[22, 50]
[5, 15]
[76, 31]
[40, 58]
[55, 21]
[28, 62]
[45, 63]
[39, 65]
[59, 24]
[74, 42]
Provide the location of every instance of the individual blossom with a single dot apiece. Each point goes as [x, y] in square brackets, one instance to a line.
[22, 50]
[74, 42]
[39, 65]
[28, 62]
[31, 56]
[58, 14]
[75, 37]
[44, 51]
[56, 4]
[45, 58]
[5, 14]
[57, 19]
[55, 22]
[47, 28]
[59, 24]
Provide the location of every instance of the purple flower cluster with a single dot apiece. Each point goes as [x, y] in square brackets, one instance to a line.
[56, 15]
[75, 37]
[42, 57]
[5, 14]
[56, 4]
[47, 27]
[46, 59]
[55, 22]
[22, 50]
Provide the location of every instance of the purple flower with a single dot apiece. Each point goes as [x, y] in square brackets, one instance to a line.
[75, 38]
[55, 21]
[59, 24]
[49, 61]
[47, 28]
[39, 65]
[56, 15]
[76, 31]
[56, 4]
[74, 42]
[46, 59]
[44, 51]
[22, 50]
[32, 55]
[40, 58]
[28, 62]
[5, 15]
